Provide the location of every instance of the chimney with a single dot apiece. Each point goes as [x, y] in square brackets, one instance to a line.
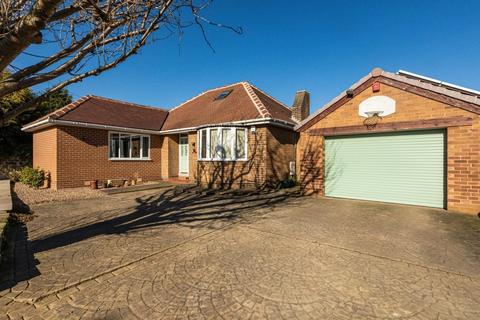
[301, 105]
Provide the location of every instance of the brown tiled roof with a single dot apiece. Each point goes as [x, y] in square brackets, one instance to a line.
[276, 109]
[61, 111]
[104, 111]
[245, 102]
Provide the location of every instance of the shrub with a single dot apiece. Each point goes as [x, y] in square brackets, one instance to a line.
[287, 183]
[14, 175]
[32, 177]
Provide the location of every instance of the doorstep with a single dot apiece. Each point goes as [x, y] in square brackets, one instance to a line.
[180, 180]
[150, 186]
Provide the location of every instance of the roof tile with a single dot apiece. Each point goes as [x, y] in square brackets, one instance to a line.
[245, 102]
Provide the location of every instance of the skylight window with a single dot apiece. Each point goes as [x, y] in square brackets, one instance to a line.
[223, 94]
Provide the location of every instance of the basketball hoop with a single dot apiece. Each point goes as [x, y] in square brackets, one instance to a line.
[373, 118]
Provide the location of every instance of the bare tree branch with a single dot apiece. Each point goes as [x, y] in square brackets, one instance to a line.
[90, 37]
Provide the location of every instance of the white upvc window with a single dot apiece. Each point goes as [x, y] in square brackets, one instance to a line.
[128, 146]
[223, 144]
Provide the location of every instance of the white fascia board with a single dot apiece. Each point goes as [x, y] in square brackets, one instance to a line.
[181, 130]
[101, 126]
[251, 122]
[50, 122]
[37, 125]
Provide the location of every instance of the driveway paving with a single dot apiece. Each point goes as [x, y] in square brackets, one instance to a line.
[258, 255]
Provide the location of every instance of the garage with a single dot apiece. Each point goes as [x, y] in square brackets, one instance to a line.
[395, 137]
[407, 167]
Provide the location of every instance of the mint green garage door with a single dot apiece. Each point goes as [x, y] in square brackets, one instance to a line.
[406, 167]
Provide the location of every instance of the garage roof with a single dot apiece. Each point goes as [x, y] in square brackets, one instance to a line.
[443, 91]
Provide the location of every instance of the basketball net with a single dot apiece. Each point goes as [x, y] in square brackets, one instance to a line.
[371, 121]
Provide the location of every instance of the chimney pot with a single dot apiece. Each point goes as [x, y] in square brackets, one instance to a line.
[301, 105]
[377, 72]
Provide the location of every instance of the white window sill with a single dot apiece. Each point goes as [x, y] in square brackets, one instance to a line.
[129, 159]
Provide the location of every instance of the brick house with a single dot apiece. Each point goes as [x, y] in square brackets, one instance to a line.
[233, 136]
[400, 138]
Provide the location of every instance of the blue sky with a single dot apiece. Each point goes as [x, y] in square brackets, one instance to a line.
[320, 46]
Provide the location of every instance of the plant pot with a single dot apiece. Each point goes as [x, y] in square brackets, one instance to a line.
[93, 184]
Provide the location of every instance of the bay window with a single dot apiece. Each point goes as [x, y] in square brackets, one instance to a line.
[128, 146]
[240, 144]
[203, 144]
[213, 143]
[223, 144]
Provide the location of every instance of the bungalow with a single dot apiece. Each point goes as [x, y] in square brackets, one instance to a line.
[233, 136]
[400, 138]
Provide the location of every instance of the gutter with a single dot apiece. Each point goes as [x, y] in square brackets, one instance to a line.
[51, 122]
[37, 125]
[275, 122]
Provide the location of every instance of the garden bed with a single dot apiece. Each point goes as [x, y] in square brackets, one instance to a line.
[29, 196]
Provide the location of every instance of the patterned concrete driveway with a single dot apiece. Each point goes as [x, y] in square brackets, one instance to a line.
[160, 255]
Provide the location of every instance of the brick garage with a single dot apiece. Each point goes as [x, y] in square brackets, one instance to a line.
[420, 105]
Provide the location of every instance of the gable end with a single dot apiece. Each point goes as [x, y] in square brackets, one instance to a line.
[366, 82]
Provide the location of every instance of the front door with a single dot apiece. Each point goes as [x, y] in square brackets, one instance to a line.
[183, 155]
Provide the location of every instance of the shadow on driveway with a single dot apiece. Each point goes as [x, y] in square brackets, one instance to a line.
[188, 208]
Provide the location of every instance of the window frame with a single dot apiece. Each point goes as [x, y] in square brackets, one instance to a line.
[224, 94]
[130, 134]
[219, 139]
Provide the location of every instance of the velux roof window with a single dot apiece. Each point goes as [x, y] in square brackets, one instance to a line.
[223, 94]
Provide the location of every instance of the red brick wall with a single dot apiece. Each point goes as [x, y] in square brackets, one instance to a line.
[270, 149]
[281, 150]
[463, 144]
[45, 152]
[192, 155]
[463, 168]
[164, 155]
[83, 156]
[310, 163]
[173, 155]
